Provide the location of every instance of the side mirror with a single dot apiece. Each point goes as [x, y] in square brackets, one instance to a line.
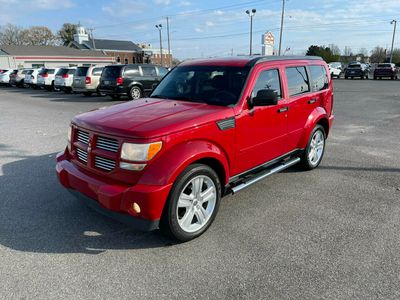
[266, 97]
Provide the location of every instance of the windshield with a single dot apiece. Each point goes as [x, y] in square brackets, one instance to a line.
[218, 85]
[354, 66]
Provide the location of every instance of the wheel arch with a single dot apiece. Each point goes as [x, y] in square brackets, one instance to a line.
[317, 117]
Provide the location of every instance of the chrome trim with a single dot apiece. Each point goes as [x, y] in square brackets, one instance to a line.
[107, 144]
[82, 155]
[264, 165]
[82, 136]
[104, 163]
[265, 174]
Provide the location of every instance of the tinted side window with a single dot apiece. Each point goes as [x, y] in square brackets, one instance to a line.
[162, 71]
[149, 71]
[268, 80]
[71, 71]
[131, 71]
[298, 82]
[97, 71]
[319, 78]
[81, 71]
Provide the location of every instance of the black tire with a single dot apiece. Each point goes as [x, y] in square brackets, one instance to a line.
[169, 222]
[67, 90]
[346, 77]
[306, 164]
[115, 97]
[362, 77]
[375, 78]
[135, 93]
[87, 94]
[100, 94]
[52, 86]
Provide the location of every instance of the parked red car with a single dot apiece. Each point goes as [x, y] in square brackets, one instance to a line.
[209, 128]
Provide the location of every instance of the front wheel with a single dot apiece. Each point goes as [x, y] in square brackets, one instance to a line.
[314, 152]
[193, 203]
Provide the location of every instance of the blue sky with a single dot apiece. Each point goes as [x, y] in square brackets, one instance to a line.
[216, 28]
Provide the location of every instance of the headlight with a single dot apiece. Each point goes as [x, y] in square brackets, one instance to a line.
[140, 152]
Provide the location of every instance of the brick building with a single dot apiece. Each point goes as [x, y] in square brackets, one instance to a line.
[153, 55]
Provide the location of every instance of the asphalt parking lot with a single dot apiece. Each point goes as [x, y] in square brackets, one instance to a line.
[331, 233]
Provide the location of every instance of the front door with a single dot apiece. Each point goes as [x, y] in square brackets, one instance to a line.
[262, 130]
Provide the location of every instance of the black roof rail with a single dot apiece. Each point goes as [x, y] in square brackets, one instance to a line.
[261, 59]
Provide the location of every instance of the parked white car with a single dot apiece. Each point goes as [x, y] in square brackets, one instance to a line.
[64, 79]
[335, 69]
[31, 77]
[5, 77]
[46, 78]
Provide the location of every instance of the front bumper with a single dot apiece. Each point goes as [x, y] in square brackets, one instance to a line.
[113, 199]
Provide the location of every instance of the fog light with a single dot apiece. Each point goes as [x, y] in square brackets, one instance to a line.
[136, 208]
[131, 167]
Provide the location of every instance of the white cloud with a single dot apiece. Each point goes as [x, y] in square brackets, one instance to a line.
[124, 8]
[184, 3]
[163, 2]
[210, 24]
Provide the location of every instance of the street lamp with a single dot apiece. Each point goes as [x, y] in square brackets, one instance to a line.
[394, 33]
[159, 27]
[251, 15]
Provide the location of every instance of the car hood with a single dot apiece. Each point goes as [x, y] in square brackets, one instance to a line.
[150, 118]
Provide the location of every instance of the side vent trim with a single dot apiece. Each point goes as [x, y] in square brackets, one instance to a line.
[226, 123]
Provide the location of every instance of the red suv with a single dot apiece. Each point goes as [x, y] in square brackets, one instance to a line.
[211, 127]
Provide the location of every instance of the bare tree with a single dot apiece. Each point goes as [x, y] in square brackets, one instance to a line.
[378, 55]
[38, 36]
[334, 49]
[10, 35]
[347, 51]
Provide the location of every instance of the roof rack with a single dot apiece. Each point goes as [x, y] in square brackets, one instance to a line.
[261, 59]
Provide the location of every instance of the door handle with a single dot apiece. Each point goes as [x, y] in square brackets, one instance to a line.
[283, 109]
[311, 101]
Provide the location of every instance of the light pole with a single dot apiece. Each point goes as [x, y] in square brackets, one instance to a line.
[251, 15]
[394, 33]
[169, 45]
[159, 27]
[280, 36]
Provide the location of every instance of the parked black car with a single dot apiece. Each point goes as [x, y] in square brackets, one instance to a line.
[385, 70]
[132, 80]
[356, 70]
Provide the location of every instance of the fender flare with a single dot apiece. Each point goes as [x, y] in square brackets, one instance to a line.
[316, 116]
[171, 163]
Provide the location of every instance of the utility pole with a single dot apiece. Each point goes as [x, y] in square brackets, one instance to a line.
[251, 15]
[159, 27]
[280, 36]
[169, 45]
[91, 35]
[394, 33]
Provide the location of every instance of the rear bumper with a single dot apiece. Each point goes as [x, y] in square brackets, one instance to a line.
[114, 199]
[119, 90]
[84, 90]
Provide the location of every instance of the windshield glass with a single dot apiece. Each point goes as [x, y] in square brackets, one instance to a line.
[218, 85]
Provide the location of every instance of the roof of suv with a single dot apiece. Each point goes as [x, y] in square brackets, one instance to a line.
[241, 61]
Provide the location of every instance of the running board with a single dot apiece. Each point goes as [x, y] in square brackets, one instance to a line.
[265, 174]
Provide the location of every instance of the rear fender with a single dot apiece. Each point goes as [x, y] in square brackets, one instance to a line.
[318, 115]
[172, 162]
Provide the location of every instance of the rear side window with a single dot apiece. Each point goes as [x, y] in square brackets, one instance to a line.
[71, 71]
[97, 71]
[62, 71]
[111, 72]
[131, 71]
[149, 71]
[81, 71]
[268, 80]
[50, 71]
[319, 78]
[298, 82]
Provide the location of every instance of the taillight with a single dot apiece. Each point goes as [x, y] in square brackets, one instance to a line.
[45, 75]
[65, 76]
[88, 80]
[120, 80]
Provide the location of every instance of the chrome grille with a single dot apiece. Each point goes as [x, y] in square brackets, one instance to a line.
[82, 155]
[83, 137]
[107, 144]
[104, 163]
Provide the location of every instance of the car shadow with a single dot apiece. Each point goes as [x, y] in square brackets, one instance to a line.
[38, 215]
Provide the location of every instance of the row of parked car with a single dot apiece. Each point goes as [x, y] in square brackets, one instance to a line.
[361, 70]
[132, 80]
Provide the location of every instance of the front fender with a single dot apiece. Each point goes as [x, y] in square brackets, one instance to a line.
[316, 115]
[171, 163]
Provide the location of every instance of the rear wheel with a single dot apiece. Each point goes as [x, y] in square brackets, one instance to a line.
[135, 93]
[193, 203]
[314, 152]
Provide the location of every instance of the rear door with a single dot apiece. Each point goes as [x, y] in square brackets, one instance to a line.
[262, 130]
[109, 77]
[302, 101]
[149, 77]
